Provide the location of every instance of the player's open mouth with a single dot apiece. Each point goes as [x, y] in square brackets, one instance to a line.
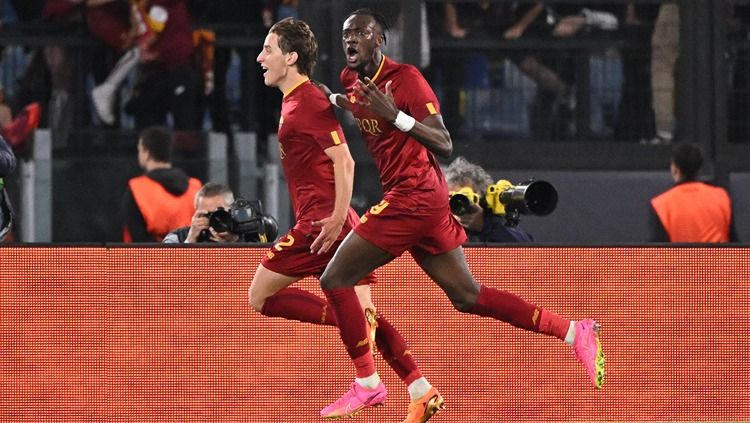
[352, 55]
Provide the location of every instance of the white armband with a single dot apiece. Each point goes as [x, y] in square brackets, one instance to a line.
[404, 122]
[332, 99]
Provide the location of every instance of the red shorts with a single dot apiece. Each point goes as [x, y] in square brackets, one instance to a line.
[290, 256]
[414, 224]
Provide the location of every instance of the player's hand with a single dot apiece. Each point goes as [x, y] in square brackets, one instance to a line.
[330, 228]
[327, 92]
[473, 220]
[322, 87]
[368, 94]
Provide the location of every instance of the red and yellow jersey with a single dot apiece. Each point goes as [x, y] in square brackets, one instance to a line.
[406, 166]
[308, 126]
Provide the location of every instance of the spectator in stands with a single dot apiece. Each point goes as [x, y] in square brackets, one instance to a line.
[691, 211]
[229, 17]
[112, 22]
[276, 10]
[665, 50]
[162, 198]
[7, 166]
[635, 114]
[565, 20]
[481, 224]
[61, 107]
[507, 21]
[167, 80]
[553, 74]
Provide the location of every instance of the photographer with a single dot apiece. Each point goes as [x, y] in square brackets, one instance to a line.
[481, 225]
[208, 199]
[215, 207]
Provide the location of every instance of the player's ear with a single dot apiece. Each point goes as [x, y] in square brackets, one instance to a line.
[291, 58]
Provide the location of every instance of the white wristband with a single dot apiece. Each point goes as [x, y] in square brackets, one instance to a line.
[332, 99]
[404, 122]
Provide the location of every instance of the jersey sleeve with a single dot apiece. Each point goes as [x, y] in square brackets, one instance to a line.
[323, 126]
[416, 95]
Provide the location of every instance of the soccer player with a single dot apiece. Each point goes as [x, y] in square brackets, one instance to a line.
[399, 118]
[319, 171]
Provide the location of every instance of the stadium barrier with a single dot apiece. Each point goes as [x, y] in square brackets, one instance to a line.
[165, 334]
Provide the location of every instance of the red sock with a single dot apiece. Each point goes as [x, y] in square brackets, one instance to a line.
[507, 307]
[353, 328]
[296, 304]
[554, 325]
[395, 351]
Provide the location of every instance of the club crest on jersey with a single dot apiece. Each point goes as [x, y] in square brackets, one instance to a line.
[369, 126]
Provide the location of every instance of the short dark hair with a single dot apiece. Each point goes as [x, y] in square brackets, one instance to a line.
[157, 140]
[688, 158]
[377, 17]
[214, 189]
[296, 36]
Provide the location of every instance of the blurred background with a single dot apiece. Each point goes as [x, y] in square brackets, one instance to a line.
[589, 95]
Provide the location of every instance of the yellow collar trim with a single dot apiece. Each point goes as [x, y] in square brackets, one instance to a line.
[295, 87]
[380, 68]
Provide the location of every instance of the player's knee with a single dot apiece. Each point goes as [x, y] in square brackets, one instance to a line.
[462, 306]
[463, 302]
[327, 282]
[256, 301]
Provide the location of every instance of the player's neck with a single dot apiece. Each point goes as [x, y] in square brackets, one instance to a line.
[372, 67]
[292, 81]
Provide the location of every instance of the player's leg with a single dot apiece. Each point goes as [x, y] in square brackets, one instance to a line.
[450, 271]
[425, 399]
[271, 295]
[354, 259]
[392, 345]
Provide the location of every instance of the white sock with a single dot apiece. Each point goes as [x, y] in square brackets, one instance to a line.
[419, 388]
[122, 69]
[369, 382]
[571, 335]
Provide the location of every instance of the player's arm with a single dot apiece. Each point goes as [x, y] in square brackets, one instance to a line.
[430, 132]
[343, 174]
[338, 100]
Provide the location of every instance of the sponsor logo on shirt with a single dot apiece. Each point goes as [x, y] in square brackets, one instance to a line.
[368, 126]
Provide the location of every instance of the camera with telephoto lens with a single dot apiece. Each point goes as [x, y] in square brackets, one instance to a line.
[532, 197]
[244, 218]
[461, 201]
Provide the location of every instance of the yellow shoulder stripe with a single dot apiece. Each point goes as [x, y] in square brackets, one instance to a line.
[335, 136]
